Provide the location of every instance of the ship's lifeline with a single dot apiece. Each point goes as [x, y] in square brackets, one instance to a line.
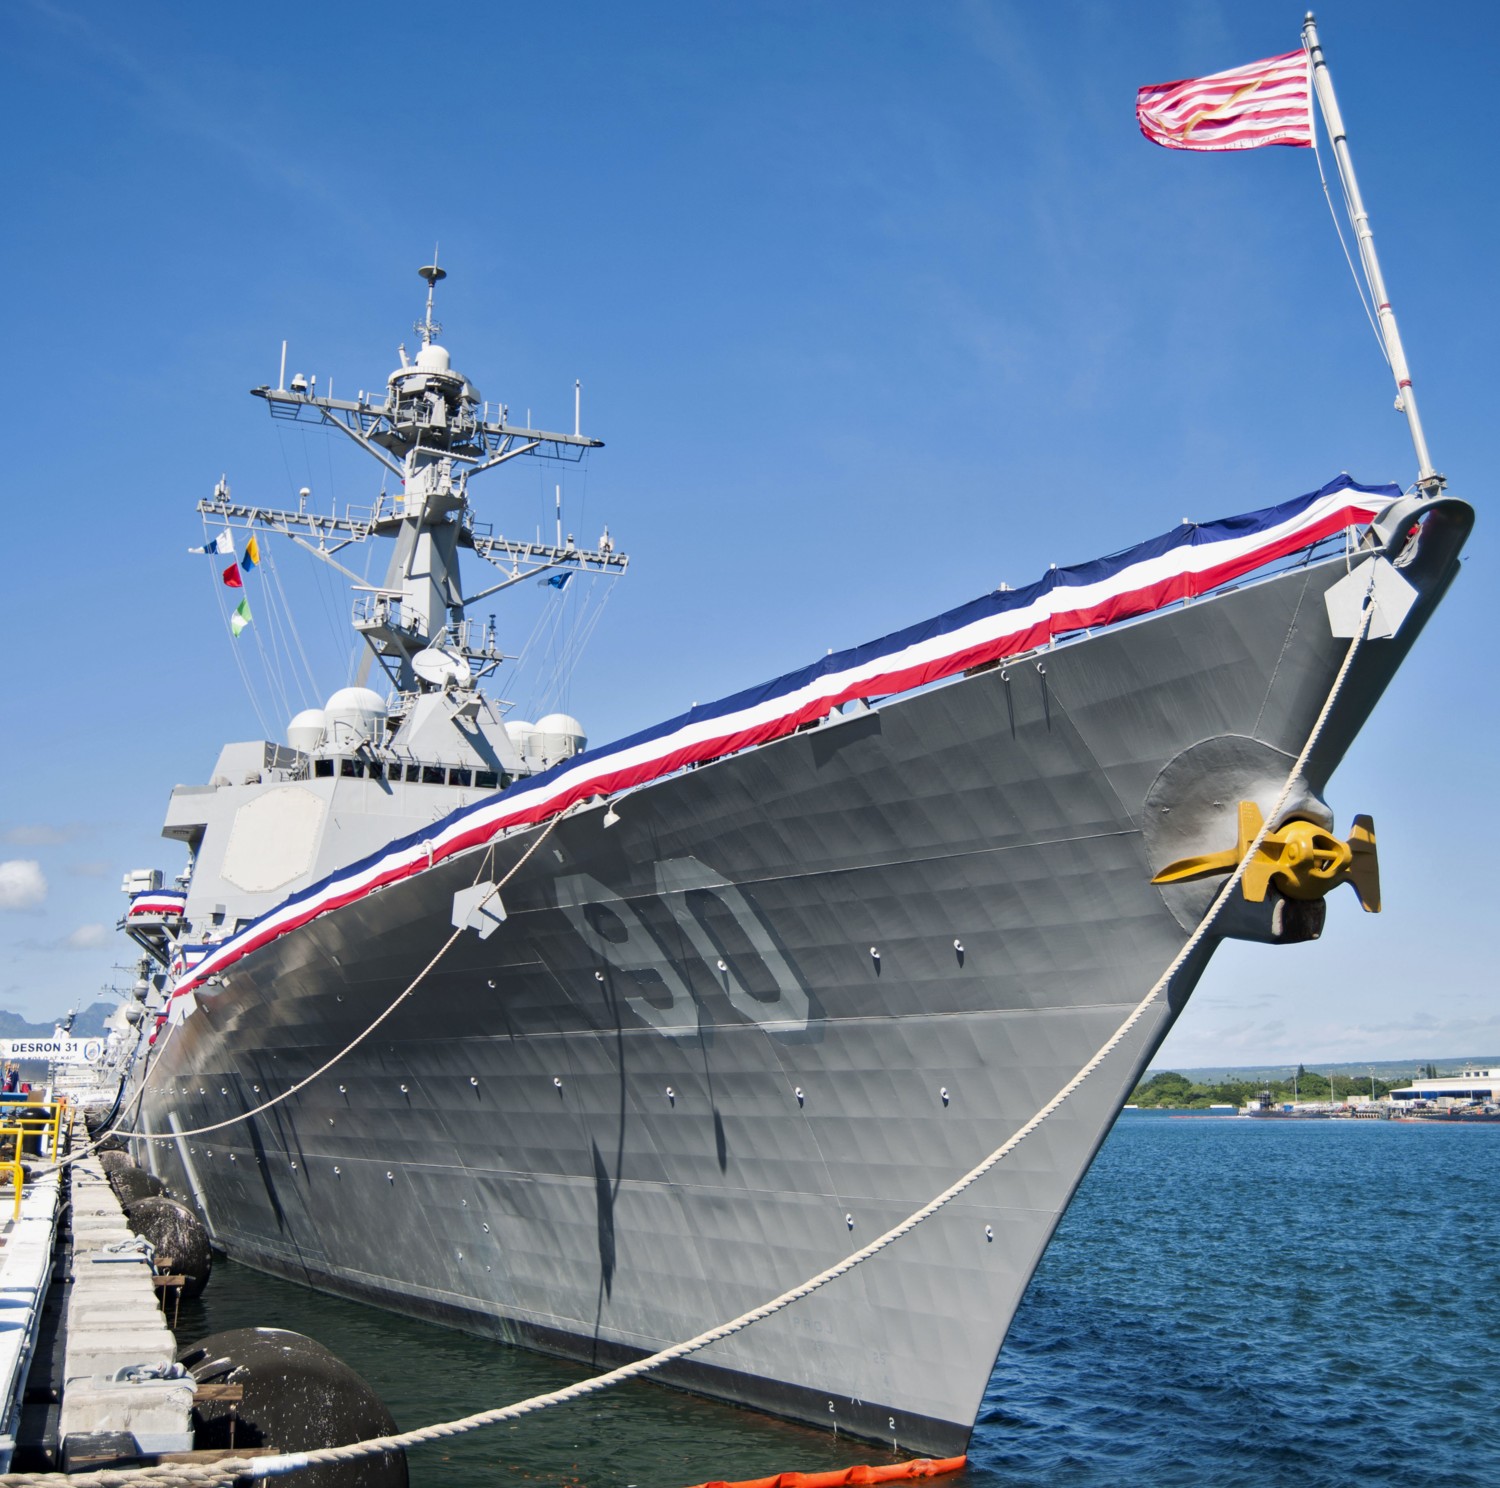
[1188, 561]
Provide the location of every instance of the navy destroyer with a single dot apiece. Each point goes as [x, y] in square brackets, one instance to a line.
[591, 1048]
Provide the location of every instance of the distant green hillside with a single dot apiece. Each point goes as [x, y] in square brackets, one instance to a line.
[1397, 1071]
[88, 1023]
[1196, 1089]
[1177, 1092]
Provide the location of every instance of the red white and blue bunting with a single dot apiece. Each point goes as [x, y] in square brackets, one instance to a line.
[165, 902]
[1189, 561]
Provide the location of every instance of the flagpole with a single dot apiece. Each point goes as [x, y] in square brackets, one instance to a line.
[1406, 398]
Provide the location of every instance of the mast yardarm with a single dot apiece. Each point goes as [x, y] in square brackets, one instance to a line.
[433, 431]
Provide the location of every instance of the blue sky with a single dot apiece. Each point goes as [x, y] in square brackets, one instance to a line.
[875, 306]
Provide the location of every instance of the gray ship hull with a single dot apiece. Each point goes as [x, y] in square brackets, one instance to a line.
[776, 1006]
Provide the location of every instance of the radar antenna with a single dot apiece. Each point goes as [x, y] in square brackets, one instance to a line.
[434, 432]
[428, 327]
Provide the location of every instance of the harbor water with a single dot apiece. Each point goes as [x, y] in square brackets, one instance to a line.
[1227, 1302]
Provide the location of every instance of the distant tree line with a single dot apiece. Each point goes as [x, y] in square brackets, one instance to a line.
[1179, 1093]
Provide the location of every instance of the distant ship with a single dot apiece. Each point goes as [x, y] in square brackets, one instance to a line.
[731, 996]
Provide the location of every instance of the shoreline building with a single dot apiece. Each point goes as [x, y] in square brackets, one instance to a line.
[1468, 1086]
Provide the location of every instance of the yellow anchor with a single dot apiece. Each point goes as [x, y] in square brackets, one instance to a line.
[1301, 859]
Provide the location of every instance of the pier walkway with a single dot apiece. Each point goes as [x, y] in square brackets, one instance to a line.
[28, 1239]
[88, 1370]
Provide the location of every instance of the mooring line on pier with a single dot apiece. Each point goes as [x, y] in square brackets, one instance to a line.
[230, 1470]
[354, 1043]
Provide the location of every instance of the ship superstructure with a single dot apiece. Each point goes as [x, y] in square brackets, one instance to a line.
[384, 761]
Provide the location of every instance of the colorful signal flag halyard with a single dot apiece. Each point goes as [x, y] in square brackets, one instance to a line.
[223, 543]
[234, 575]
[1264, 103]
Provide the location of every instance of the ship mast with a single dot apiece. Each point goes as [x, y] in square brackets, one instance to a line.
[1428, 480]
[434, 432]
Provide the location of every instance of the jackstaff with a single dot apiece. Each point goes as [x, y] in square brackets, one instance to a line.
[1406, 398]
[1270, 103]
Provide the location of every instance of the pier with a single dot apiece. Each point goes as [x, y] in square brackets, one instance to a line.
[88, 1370]
[124, 1396]
[28, 1243]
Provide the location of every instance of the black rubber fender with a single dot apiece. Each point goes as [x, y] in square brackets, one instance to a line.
[298, 1396]
[131, 1184]
[178, 1238]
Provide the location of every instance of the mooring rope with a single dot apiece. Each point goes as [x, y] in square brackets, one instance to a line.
[126, 1113]
[230, 1470]
[359, 1038]
[322, 1069]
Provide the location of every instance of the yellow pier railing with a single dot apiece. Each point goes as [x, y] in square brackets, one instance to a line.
[40, 1128]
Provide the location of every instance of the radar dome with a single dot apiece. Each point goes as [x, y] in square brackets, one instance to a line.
[354, 716]
[523, 736]
[305, 731]
[558, 737]
[433, 358]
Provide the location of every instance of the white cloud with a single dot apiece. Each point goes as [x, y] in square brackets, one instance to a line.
[86, 937]
[1204, 1042]
[91, 868]
[22, 884]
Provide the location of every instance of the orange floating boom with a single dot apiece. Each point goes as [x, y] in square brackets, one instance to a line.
[896, 1472]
